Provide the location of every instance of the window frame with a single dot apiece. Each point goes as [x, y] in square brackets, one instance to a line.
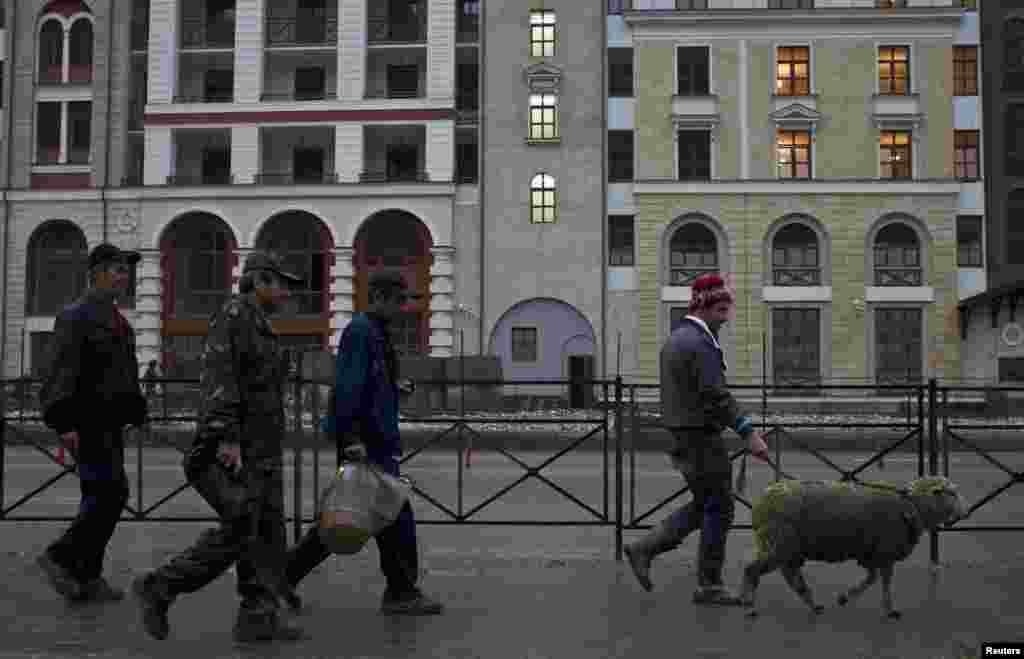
[894, 133]
[965, 86]
[969, 255]
[678, 64]
[616, 90]
[778, 270]
[617, 257]
[539, 103]
[74, 258]
[793, 149]
[514, 356]
[696, 269]
[793, 79]
[915, 265]
[679, 159]
[961, 155]
[621, 170]
[802, 4]
[539, 27]
[538, 184]
[879, 62]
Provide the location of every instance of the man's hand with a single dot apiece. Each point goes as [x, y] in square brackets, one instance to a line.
[758, 447]
[230, 456]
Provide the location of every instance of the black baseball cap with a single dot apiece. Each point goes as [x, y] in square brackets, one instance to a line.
[267, 261]
[391, 280]
[107, 253]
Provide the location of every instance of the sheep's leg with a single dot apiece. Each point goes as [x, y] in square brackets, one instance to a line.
[752, 577]
[859, 589]
[795, 578]
[887, 593]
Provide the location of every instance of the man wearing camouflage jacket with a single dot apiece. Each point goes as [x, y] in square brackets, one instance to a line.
[235, 464]
[90, 392]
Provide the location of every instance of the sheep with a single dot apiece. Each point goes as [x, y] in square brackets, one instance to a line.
[874, 524]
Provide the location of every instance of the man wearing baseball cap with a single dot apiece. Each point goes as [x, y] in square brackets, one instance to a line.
[364, 412]
[90, 392]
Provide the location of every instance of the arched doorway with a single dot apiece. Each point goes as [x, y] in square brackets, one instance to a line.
[543, 339]
[198, 252]
[398, 240]
[304, 244]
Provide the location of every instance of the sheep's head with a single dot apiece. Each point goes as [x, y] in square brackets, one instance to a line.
[938, 500]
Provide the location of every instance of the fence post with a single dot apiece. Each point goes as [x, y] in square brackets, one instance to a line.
[618, 469]
[297, 450]
[3, 442]
[933, 456]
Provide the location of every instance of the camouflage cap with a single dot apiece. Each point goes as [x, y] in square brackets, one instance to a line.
[268, 261]
[390, 279]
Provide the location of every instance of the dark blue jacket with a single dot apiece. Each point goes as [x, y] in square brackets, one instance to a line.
[366, 391]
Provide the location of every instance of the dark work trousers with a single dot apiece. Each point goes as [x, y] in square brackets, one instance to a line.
[399, 558]
[703, 460]
[251, 533]
[82, 548]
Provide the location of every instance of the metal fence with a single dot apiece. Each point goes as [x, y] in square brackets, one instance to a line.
[619, 421]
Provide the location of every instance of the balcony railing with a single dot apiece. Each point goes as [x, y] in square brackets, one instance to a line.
[392, 33]
[897, 276]
[686, 276]
[80, 74]
[619, 6]
[402, 176]
[796, 277]
[218, 96]
[302, 30]
[288, 178]
[318, 95]
[199, 179]
[207, 34]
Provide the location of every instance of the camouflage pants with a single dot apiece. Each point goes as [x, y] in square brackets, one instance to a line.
[251, 534]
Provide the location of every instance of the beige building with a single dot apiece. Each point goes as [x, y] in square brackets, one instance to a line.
[816, 155]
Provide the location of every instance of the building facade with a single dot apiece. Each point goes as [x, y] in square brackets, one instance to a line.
[550, 175]
[825, 156]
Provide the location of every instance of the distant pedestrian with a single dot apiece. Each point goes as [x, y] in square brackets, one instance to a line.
[365, 403]
[696, 407]
[150, 379]
[235, 464]
[90, 392]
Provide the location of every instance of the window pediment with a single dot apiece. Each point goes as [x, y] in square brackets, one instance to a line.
[796, 115]
[543, 78]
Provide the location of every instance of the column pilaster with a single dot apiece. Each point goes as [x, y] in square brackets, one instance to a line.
[442, 302]
[342, 291]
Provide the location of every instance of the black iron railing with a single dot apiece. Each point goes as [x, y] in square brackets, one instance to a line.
[285, 178]
[304, 29]
[401, 176]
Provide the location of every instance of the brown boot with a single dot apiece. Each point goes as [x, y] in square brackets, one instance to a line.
[661, 539]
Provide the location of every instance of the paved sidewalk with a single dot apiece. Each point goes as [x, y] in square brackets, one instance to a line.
[540, 607]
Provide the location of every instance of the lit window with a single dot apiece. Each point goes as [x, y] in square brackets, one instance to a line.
[792, 76]
[543, 199]
[965, 70]
[794, 153]
[896, 155]
[965, 154]
[542, 33]
[894, 70]
[543, 117]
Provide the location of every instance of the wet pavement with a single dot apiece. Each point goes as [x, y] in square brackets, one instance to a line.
[549, 604]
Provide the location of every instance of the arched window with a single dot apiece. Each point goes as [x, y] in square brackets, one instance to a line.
[51, 52]
[199, 254]
[301, 241]
[1013, 44]
[57, 262]
[80, 51]
[543, 199]
[693, 251]
[897, 256]
[795, 256]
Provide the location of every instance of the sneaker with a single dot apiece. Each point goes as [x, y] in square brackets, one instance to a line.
[717, 596]
[59, 576]
[413, 604]
[154, 608]
[100, 590]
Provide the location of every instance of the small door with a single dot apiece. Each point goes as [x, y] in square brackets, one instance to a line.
[898, 345]
[581, 369]
[796, 347]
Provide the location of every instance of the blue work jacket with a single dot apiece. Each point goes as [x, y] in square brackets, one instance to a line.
[366, 394]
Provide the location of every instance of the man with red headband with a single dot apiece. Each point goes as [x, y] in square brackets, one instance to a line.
[696, 408]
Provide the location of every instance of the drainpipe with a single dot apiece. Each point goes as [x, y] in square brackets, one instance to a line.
[604, 192]
[108, 141]
[12, 35]
[480, 141]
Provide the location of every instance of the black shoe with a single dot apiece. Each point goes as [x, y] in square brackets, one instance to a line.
[294, 602]
[99, 590]
[60, 578]
[716, 595]
[154, 608]
[411, 604]
[265, 626]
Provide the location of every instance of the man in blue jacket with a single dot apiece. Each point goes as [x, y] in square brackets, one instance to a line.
[366, 403]
[696, 407]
